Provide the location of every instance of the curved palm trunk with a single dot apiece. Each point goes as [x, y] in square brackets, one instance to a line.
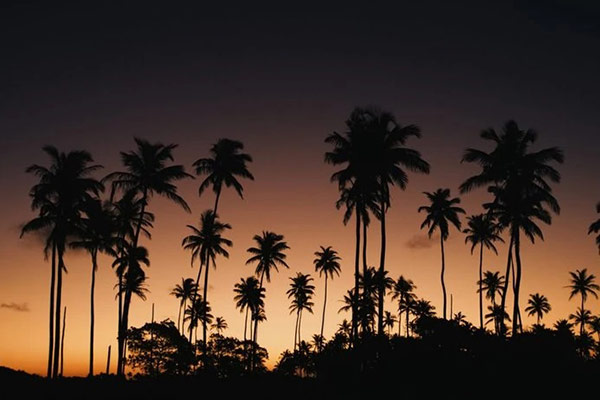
[125, 325]
[255, 337]
[62, 343]
[480, 284]
[183, 320]
[442, 274]
[354, 332]
[296, 329]
[57, 332]
[120, 324]
[206, 302]
[179, 316]
[507, 277]
[299, 329]
[195, 295]
[245, 324]
[51, 318]
[324, 307]
[516, 311]
[92, 313]
[380, 329]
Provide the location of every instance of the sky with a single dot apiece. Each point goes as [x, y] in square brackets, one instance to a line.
[280, 79]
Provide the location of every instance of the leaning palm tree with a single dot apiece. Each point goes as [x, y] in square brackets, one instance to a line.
[482, 231]
[327, 263]
[62, 190]
[219, 325]
[441, 211]
[595, 227]
[403, 291]
[183, 292]
[301, 292]
[583, 284]
[268, 255]
[249, 297]
[205, 244]
[518, 179]
[582, 317]
[97, 234]
[538, 305]
[226, 164]
[389, 320]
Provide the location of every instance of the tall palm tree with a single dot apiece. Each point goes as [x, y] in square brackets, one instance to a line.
[583, 284]
[205, 244]
[582, 317]
[97, 234]
[403, 291]
[595, 227]
[373, 149]
[249, 297]
[327, 263]
[62, 189]
[518, 179]
[482, 231]
[492, 284]
[197, 312]
[268, 254]
[441, 212]
[301, 292]
[538, 305]
[389, 320]
[184, 292]
[226, 164]
[219, 325]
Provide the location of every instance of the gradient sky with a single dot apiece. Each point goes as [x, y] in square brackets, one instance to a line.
[281, 78]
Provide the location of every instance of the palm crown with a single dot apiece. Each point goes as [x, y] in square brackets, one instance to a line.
[441, 212]
[269, 254]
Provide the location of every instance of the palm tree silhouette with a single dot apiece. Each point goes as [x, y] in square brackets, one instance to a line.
[97, 234]
[269, 254]
[563, 326]
[423, 309]
[226, 164]
[492, 284]
[595, 227]
[219, 325]
[301, 292]
[197, 312]
[583, 284]
[517, 178]
[538, 305]
[389, 320]
[327, 263]
[403, 291]
[205, 244]
[373, 149]
[184, 292]
[582, 317]
[440, 212]
[407, 306]
[595, 325]
[497, 315]
[59, 195]
[249, 296]
[483, 231]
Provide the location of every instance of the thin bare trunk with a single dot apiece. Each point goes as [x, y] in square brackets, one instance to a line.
[354, 332]
[51, 318]
[62, 342]
[380, 304]
[480, 284]
[57, 333]
[296, 329]
[506, 280]
[442, 274]
[194, 297]
[206, 303]
[245, 324]
[92, 315]
[108, 361]
[324, 307]
[516, 310]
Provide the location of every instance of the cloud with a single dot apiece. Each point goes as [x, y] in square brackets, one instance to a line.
[421, 241]
[22, 307]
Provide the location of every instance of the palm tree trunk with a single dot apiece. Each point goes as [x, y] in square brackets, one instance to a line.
[582, 328]
[120, 324]
[299, 329]
[57, 332]
[407, 322]
[507, 277]
[218, 194]
[141, 218]
[125, 325]
[324, 305]
[480, 284]
[92, 315]
[262, 275]
[380, 329]
[245, 324]
[183, 320]
[179, 316]
[364, 250]
[399, 323]
[516, 311]
[442, 274]
[538, 319]
[206, 302]
[62, 343]
[354, 332]
[296, 329]
[195, 295]
[51, 319]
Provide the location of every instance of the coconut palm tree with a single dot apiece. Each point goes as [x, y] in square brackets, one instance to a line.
[205, 244]
[441, 211]
[219, 325]
[226, 164]
[183, 292]
[518, 179]
[538, 305]
[583, 284]
[198, 312]
[403, 291]
[497, 315]
[97, 234]
[423, 309]
[373, 148]
[389, 320]
[249, 297]
[595, 227]
[492, 284]
[327, 263]
[268, 255]
[564, 327]
[58, 196]
[595, 326]
[301, 292]
[482, 231]
[407, 306]
[582, 317]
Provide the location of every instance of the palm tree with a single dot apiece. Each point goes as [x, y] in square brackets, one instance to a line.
[423, 309]
[497, 315]
[226, 164]
[482, 231]
[318, 341]
[563, 326]
[583, 284]
[327, 263]
[538, 305]
[492, 283]
[441, 211]
[582, 317]
[249, 296]
[460, 319]
[373, 149]
[205, 244]
[595, 227]
[184, 292]
[403, 291]
[301, 292]
[219, 325]
[389, 320]
[595, 326]
[97, 234]
[407, 306]
[269, 254]
[62, 190]
[518, 180]
[197, 312]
